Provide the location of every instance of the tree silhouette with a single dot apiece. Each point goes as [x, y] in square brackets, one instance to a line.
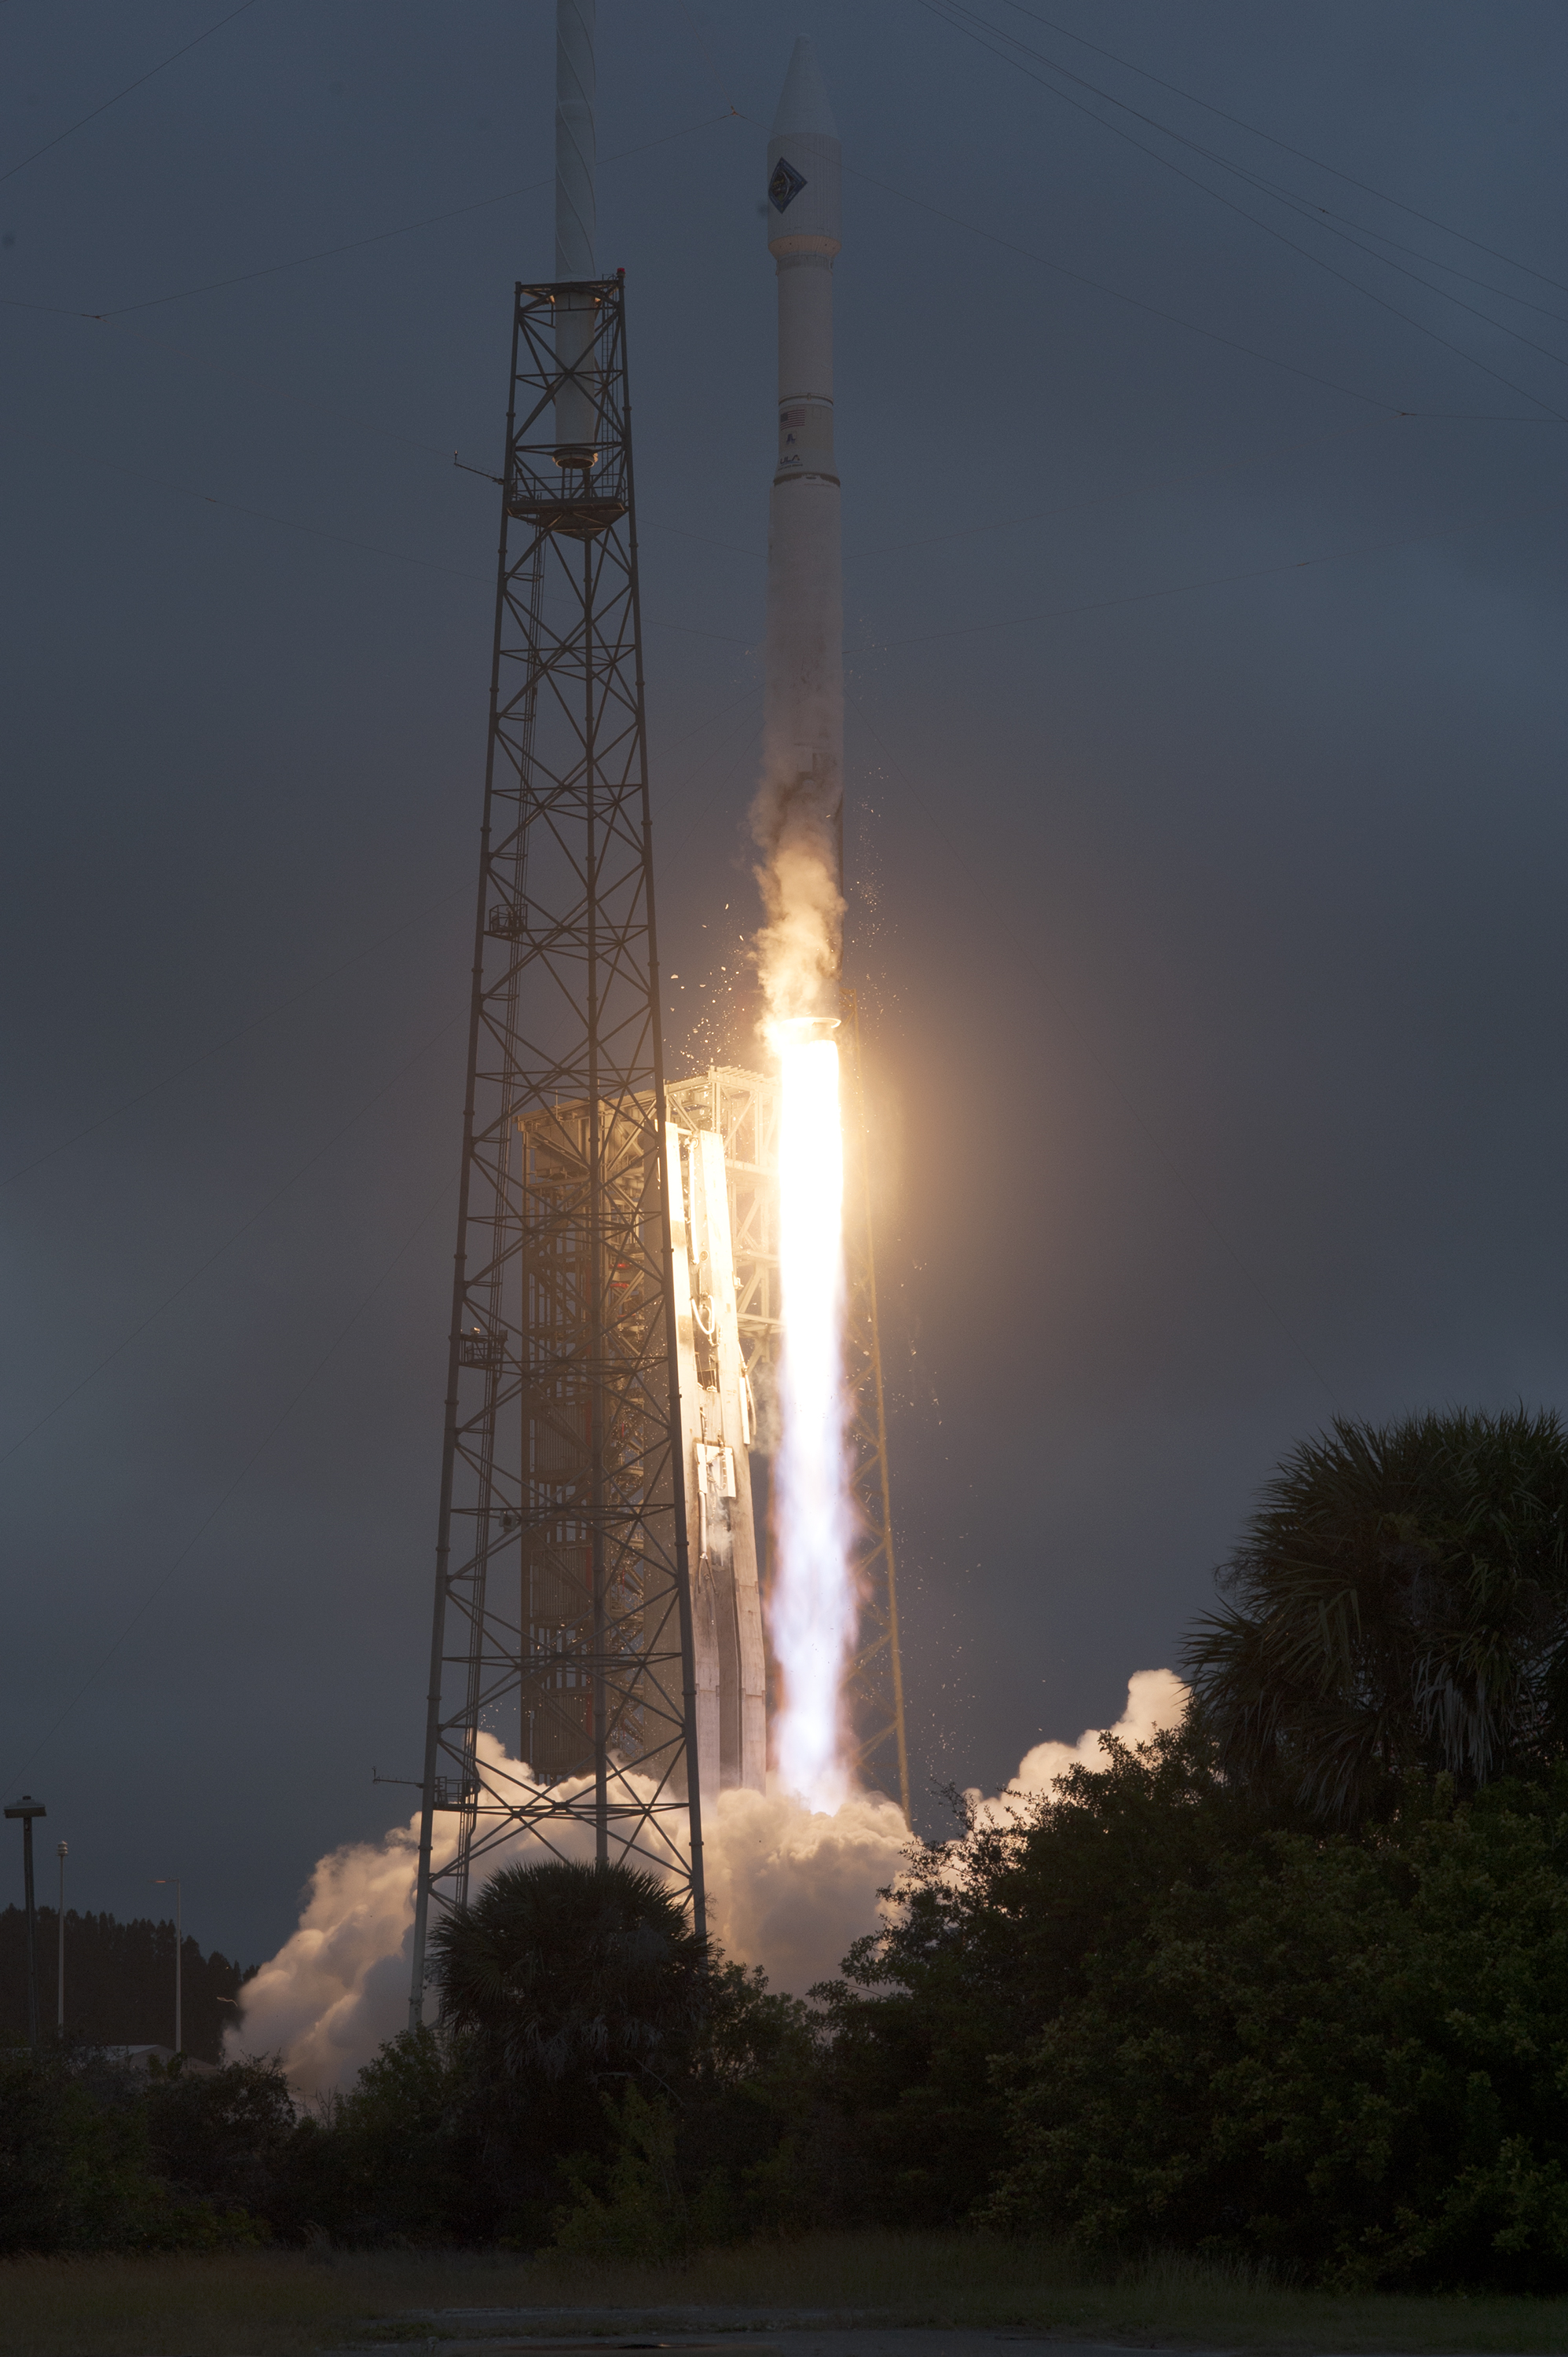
[1399, 1601]
[562, 1972]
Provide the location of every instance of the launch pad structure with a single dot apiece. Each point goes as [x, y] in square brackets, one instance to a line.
[597, 1665]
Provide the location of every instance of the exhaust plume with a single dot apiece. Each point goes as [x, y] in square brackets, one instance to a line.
[799, 948]
[813, 1604]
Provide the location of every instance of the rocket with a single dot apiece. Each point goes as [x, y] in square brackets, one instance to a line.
[803, 699]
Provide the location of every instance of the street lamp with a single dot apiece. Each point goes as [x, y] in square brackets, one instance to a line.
[26, 1808]
[59, 1971]
[163, 1880]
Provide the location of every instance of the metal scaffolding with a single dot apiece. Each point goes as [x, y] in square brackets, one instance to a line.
[743, 1107]
[563, 1631]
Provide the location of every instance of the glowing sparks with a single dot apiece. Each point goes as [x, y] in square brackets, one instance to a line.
[812, 1610]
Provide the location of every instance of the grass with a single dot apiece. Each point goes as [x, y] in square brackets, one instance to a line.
[272, 2304]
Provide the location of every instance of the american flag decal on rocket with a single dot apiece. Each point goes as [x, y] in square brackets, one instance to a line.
[784, 186]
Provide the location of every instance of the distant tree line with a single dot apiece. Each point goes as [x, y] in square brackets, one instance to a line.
[1287, 1983]
[119, 1983]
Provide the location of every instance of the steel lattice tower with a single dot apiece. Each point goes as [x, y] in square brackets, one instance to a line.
[563, 1608]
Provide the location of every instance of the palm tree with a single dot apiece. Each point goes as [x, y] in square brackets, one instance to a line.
[1399, 1601]
[563, 1972]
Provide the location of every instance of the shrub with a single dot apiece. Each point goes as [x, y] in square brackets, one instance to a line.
[1349, 2057]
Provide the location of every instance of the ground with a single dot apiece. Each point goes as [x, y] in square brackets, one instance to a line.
[825, 2296]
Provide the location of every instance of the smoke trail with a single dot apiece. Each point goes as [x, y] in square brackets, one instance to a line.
[798, 949]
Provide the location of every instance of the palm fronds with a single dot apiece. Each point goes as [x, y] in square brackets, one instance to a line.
[1398, 1601]
[562, 1970]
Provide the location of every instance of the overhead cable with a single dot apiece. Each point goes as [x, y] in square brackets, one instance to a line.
[951, 13]
[1257, 132]
[1337, 224]
[71, 130]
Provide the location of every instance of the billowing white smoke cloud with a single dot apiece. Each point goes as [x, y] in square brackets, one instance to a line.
[338, 1987]
[1155, 1699]
[790, 1888]
[787, 1888]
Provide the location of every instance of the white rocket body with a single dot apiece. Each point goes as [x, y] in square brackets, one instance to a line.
[803, 707]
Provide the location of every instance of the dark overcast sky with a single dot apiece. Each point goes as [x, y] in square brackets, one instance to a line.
[1204, 515]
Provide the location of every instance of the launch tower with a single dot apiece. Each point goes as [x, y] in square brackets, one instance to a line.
[563, 1634]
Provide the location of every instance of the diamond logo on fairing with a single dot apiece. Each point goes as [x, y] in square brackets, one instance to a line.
[784, 186]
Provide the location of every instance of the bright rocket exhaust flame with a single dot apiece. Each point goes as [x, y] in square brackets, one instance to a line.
[813, 1604]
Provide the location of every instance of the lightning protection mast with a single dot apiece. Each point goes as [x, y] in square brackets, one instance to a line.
[562, 1691]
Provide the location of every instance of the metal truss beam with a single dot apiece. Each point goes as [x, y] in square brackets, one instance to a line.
[562, 1686]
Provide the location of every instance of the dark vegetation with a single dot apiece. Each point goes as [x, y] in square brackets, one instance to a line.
[118, 1982]
[1397, 1605]
[1288, 1985]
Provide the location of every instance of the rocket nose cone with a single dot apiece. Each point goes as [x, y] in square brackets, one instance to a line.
[803, 102]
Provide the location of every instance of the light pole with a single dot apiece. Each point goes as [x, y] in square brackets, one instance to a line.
[59, 1968]
[26, 1808]
[163, 1880]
